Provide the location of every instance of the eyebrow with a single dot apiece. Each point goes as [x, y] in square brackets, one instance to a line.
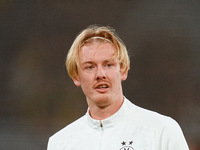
[86, 62]
[91, 62]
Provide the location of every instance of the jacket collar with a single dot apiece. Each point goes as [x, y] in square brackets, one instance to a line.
[111, 121]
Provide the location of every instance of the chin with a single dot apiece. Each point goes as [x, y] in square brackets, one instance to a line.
[102, 100]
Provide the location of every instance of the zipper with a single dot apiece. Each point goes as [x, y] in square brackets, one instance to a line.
[101, 135]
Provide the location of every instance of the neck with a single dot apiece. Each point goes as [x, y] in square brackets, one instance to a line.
[103, 112]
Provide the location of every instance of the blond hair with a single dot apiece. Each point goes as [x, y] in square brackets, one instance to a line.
[106, 34]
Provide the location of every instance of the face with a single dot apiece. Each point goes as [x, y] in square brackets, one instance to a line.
[99, 75]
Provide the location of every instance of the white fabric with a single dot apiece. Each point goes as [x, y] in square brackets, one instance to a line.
[131, 128]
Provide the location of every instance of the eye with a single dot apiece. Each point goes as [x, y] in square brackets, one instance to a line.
[89, 67]
[109, 65]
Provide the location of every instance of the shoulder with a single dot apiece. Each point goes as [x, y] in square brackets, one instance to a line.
[165, 129]
[65, 134]
[70, 128]
[150, 118]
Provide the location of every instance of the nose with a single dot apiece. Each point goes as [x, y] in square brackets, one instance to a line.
[100, 73]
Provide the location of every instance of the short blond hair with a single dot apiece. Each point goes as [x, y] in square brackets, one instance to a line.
[108, 34]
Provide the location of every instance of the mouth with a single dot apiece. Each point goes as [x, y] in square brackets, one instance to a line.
[102, 88]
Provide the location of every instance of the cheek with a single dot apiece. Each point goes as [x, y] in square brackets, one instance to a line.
[116, 78]
[86, 86]
[86, 80]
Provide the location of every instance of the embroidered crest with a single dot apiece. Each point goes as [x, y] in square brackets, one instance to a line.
[127, 145]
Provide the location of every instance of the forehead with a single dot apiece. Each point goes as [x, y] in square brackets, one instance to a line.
[97, 51]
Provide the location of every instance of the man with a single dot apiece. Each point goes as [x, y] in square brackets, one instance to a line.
[98, 62]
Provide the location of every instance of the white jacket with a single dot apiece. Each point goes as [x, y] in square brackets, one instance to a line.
[130, 128]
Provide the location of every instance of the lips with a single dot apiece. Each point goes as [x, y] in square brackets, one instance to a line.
[102, 87]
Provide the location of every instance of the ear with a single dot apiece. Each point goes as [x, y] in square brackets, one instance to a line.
[77, 82]
[124, 75]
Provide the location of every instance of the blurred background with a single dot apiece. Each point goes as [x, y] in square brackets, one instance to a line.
[37, 97]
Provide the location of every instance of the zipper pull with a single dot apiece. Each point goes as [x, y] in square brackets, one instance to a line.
[101, 125]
